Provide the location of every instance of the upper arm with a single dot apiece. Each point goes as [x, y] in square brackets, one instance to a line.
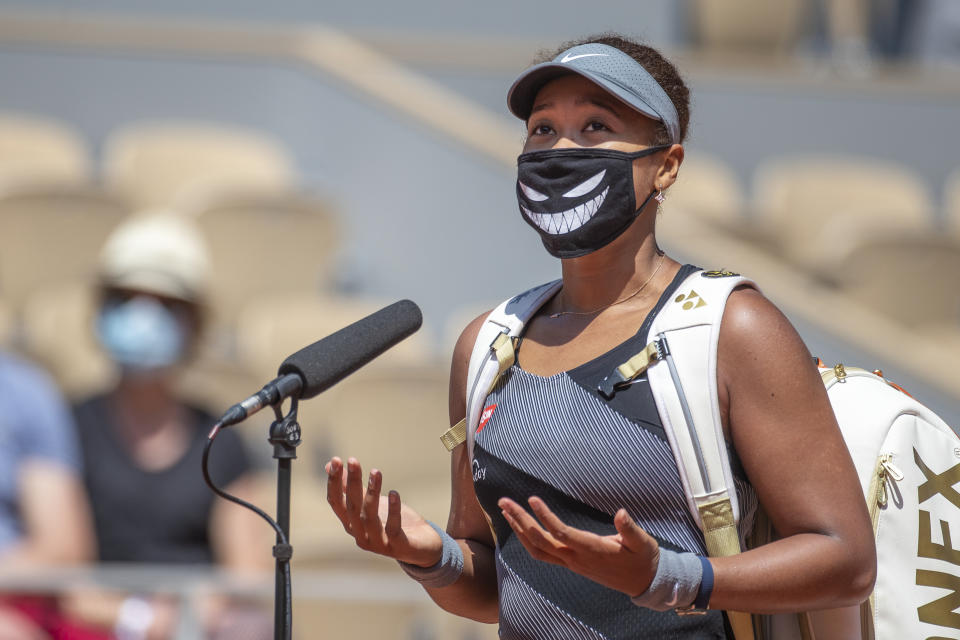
[782, 425]
[467, 519]
[239, 538]
[53, 504]
[55, 512]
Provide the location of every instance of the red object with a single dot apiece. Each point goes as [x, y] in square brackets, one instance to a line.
[485, 416]
[44, 612]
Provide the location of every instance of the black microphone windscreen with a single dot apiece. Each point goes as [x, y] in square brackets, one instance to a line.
[329, 360]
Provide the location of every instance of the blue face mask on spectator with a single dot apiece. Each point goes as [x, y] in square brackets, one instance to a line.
[141, 334]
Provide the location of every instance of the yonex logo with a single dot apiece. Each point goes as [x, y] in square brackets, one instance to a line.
[693, 300]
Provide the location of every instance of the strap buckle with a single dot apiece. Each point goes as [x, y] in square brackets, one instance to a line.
[630, 369]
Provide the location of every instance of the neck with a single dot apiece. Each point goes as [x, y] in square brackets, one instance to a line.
[612, 273]
[144, 404]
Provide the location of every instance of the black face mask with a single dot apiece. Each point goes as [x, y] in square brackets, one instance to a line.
[578, 200]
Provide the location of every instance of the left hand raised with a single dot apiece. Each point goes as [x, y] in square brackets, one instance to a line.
[625, 561]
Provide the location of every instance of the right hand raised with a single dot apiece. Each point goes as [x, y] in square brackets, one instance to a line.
[381, 524]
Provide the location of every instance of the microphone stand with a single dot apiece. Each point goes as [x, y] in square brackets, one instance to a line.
[284, 435]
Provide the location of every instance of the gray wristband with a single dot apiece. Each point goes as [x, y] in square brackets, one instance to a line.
[443, 573]
[675, 583]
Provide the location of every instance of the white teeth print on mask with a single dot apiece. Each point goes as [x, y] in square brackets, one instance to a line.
[579, 199]
[569, 220]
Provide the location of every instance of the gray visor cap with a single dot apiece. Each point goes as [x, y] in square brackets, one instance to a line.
[609, 68]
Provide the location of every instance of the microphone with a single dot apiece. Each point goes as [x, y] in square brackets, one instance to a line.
[324, 363]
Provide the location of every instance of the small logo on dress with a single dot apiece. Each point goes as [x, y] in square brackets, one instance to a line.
[692, 300]
[479, 473]
[485, 416]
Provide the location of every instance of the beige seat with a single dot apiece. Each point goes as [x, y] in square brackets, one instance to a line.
[393, 405]
[52, 236]
[58, 331]
[951, 203]
[266, 244]
[909, 279]
[6, 325]
[173, 163]
[820, 208]
[390, 418]
[708, 188]
[38, 152]
[748, 25]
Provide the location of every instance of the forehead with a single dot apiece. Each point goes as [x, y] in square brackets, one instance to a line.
[574, 89]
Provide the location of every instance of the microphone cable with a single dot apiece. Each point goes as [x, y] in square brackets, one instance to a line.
[252, 507]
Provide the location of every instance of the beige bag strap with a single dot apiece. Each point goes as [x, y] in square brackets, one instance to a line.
[504, 348]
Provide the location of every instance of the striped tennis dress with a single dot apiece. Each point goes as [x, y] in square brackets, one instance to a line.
[557, 438]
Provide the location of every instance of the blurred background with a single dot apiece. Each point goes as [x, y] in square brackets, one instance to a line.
[335, 157]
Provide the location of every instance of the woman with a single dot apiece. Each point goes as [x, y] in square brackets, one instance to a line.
[559, 566]
[142, 444]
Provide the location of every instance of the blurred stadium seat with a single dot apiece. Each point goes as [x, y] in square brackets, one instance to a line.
[708, 188]
[389, 414]
[388, 418]
[39, 152]
[748, 25]
[266, 244]
[168, 163]
[58, 331]
[951, 203]
[910, 279]
[52, 236]
[6, 325]
[819, 208]
[392, 419]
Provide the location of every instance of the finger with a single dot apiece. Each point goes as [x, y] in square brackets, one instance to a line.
[530, 530]
[354, 501]
[534, 550]
[560, 530]
[632, 535]
[522, 521]
[393, 528]
[371, 506]
[335, 491]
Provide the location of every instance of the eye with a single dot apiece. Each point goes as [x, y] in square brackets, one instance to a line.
[541, 130]
[596, 125]
[584, 187]
[532, 194]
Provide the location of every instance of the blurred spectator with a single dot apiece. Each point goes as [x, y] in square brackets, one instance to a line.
[141, 445]
[44, 517]
[934, 36]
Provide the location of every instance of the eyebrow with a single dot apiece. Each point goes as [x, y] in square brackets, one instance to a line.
[597, 102]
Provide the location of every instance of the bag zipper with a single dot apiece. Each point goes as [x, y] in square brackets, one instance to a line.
[878, 486]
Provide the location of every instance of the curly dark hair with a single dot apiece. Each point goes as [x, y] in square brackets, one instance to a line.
[656, 65]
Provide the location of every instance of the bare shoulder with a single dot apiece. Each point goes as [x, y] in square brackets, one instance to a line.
[754, 333]
[468, 338]
[765, 372]
[750, 317]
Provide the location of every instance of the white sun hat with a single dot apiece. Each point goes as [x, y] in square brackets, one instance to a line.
[158, 252]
